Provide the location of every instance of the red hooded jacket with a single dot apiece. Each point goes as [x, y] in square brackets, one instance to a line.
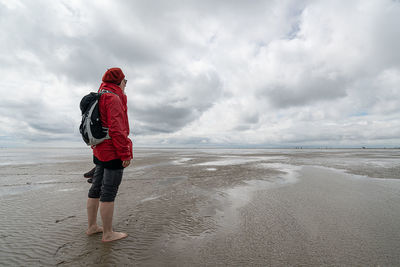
[114, 116]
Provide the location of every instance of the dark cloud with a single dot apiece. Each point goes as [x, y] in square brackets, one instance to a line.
[164, 119]
[247, 121]
[35, 121]
[181, 99]
[306, 92]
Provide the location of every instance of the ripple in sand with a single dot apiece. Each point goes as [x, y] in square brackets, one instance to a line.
[173, 180]
[291, 171]
[149, 198]
[68, 190]
[18, 189]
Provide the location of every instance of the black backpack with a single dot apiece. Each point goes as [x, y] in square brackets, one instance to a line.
[91, 129]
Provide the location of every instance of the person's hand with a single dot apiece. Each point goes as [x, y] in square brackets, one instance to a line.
[126, 163]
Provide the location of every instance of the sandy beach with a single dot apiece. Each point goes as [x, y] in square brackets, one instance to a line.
[210, 207]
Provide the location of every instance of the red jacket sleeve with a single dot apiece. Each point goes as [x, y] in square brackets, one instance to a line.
[119, 128]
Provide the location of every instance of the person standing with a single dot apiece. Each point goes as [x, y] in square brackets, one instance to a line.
[111, 156]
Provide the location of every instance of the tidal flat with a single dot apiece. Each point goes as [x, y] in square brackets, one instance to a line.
[207, 207]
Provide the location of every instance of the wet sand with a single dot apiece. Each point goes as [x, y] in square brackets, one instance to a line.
[210, 208]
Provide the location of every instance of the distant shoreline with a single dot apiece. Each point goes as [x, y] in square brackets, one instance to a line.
[200, 147]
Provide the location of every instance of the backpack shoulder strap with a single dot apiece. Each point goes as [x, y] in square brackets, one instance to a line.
[106, 91]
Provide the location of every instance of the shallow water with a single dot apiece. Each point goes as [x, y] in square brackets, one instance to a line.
[199, 207]
[21, 156]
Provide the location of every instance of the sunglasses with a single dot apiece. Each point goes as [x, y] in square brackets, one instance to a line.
[126, 81]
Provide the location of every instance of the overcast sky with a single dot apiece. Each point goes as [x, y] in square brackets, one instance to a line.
[230, 73]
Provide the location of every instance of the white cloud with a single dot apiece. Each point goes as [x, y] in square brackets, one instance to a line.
[283, 73]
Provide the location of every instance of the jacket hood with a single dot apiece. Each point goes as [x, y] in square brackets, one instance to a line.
[115, 89]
